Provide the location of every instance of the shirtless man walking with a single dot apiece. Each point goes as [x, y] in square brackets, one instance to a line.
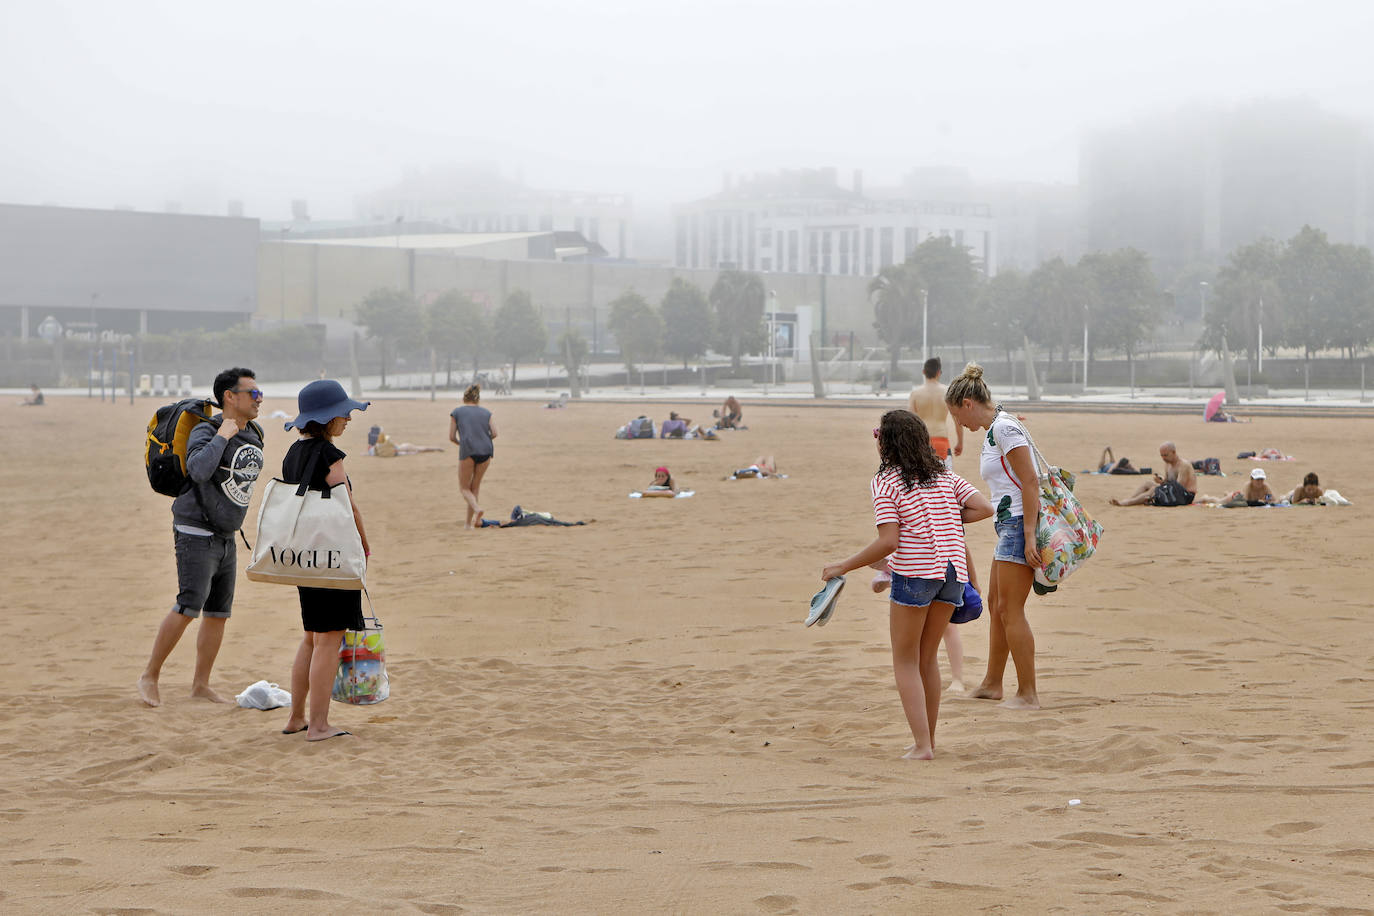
[928, 403]
[1177, 487]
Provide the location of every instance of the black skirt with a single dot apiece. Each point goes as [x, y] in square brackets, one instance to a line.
[324, 610]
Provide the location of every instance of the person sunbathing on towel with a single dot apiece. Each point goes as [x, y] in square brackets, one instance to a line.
[1310, 493]
[763, 466]
[386, 448]
[663, 484]
[1177, 487]
[1255, 493]
[1113, 465]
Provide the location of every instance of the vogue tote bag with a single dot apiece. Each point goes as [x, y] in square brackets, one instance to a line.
[308, 537]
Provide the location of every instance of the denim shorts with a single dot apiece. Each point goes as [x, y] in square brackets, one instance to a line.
[205, 574]
[912, 592]
[1011, 540]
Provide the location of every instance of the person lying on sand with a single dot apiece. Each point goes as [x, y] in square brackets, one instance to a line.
[1177, 487]
[763, 466]
[663, 485]
[1110, 464]
[386, 448]
[525, 518]
[1309, 493]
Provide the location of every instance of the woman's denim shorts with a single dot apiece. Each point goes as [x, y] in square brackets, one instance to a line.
[912, 592]
[1011, 540]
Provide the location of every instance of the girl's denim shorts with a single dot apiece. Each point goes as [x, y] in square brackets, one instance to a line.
[912, 592]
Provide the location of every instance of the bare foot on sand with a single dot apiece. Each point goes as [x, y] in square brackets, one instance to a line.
[1114, 501]
[205, 693]
[147, 691]
[984, 692]
[1020, 702]
[477, 518]
[913, 754]
[956, 687]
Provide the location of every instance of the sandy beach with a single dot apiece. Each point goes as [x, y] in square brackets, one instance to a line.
[630, 717]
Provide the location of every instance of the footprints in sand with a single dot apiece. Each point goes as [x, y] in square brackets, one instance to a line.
[1292, 827]
[286, 893]
[191, 871]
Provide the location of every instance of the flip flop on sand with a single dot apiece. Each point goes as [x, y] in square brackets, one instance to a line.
[823, 602]
[294, 731]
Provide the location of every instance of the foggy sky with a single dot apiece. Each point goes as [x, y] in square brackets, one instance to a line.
[141, 103]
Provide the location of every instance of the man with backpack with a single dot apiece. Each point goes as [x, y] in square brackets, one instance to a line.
[223, 458]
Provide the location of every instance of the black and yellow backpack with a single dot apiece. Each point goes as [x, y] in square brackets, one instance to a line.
[168, 430]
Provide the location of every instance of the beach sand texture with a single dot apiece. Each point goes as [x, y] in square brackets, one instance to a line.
[630, 716]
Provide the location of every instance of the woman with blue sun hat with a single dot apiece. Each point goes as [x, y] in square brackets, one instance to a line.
[325, 612]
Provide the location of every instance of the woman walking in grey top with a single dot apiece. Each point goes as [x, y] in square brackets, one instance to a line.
[470, 428]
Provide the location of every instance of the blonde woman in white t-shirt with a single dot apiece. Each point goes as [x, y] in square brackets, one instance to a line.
[1009, 471]
[920, 508]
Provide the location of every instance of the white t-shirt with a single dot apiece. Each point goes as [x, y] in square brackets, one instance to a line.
[1003, 436]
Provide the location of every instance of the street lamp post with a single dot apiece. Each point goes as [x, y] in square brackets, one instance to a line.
[772, 336]
[1085, 349]
[1259, 332]
[925, 348]
[285, 229]
[1202, 291]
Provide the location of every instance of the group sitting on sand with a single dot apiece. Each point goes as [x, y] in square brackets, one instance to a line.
[1257, 492]
[1178, 487]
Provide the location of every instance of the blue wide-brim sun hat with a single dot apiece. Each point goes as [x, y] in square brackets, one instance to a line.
[322, 401]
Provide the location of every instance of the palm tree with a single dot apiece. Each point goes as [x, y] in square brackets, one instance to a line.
[898, 292]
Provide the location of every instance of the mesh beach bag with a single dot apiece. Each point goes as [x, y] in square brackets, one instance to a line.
[361, 678]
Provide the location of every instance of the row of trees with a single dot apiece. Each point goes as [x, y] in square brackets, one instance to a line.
[455, 325]
[685, 324]
[1306, 294]
[1114, 293]
[688, 322]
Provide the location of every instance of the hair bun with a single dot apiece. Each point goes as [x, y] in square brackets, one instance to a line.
[973, 371]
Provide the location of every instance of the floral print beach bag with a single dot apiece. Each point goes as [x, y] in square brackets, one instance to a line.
[1065, 533]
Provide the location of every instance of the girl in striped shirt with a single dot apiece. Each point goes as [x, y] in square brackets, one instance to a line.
[920, 509]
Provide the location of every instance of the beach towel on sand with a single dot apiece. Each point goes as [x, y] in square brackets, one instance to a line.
[681, 494]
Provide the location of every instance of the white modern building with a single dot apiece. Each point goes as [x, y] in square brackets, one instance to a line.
[804, 222]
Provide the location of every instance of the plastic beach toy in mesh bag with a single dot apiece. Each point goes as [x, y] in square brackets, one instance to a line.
[361, 677]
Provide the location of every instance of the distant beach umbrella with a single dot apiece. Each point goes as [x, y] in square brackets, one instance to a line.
[1213, 405]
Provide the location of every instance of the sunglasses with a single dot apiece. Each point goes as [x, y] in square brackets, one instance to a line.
[254, 393]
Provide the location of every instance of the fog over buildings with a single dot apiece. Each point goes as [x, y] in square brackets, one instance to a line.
[161, 105]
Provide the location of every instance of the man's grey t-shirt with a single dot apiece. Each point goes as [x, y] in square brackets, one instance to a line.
[474, 430]
[222, 474]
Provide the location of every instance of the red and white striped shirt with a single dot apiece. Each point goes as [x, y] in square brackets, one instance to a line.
[930, 530]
